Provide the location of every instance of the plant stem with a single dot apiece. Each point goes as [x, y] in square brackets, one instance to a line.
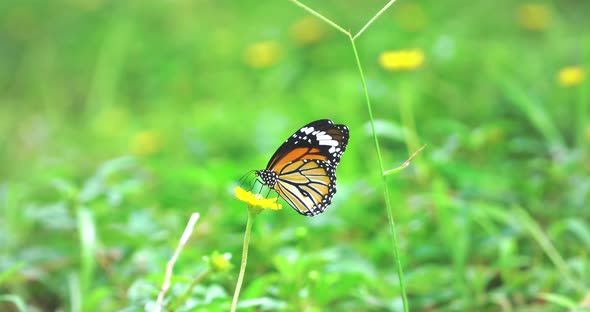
[407, 116]
[582, 111]
[373, 19]
[405, 164]
[188, 230]
[251, 216]
[392, 225]
[370, 110]
[188, 291]
[318, 15]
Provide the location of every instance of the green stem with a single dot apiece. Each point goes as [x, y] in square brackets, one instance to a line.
[188, 291]
[582, 111]
[392, 225]
[405, 164]
[318, 15]
[382, 171]
[407, 117]
[373, 19]
[251, 216]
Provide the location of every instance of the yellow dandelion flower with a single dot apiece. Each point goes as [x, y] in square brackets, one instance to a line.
[570, 76]
[308, 30]
[262, 54]
[401, 59]
[256, 200]
[145, 143]
[534, 16]
[411, 16]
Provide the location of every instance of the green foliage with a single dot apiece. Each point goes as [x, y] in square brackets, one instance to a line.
[119, 119]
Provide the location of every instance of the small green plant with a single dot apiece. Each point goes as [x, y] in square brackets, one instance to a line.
[256, 204]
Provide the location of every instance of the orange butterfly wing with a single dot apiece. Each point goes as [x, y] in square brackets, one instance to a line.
[303, 170]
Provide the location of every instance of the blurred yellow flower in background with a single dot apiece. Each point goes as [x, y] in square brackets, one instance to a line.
[219, 262]
[411, 16]
[308, 30]
[570, 76]
[534, 16]
[496, 135]
[401, 59]
[256, 200]
[146, 143]
[262, 54]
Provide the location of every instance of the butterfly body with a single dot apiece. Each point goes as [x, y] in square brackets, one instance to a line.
[303, 169]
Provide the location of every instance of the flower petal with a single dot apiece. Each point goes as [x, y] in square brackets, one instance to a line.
[256, 200]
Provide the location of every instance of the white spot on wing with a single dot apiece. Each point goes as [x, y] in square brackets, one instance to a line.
[329, 142]
[323, 137]
[307, 130]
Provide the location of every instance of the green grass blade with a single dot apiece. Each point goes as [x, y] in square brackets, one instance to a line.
[532, 110]
[88, 247]
[545, 243]
[6, 274]
[75, 293]
[559, 300]
[18, 302]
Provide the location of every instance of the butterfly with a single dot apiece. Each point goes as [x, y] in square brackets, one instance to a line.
[303, 170]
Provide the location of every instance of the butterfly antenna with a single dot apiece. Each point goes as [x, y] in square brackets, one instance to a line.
[244, 178]
[246, 175]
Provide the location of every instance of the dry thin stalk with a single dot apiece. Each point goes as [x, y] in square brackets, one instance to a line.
[188, 230]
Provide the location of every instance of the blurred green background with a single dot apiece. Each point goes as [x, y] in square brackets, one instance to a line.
[118, 119]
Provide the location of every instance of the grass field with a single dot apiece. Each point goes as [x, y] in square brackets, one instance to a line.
[119, 119]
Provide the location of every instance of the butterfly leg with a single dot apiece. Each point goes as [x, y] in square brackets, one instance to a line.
[253, 184]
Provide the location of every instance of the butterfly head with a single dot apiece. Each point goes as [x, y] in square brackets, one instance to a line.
[269, 177]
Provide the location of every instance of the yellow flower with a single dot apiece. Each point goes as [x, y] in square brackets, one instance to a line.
[219, 262]
[256, 200]
[570, 76]
[587, 133]
[401, 59]
[145, 143]
[411, 16]
[308, 30]
[262, 54]
[534, 16]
